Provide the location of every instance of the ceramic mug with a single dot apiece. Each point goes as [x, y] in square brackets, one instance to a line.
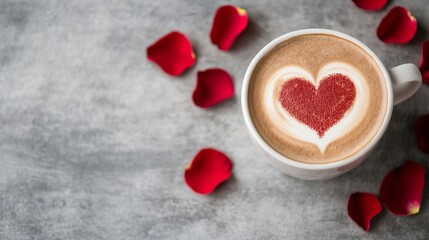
[401, 81]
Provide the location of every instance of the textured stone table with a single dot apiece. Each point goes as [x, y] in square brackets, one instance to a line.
[94, 138]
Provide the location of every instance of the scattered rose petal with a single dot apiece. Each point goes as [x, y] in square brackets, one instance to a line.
[402, 188]
[362, 207]
[207, 170]
[172, 52]
[422, 131]
[371, 5]
[228, 23]
[213, 86]
[424, 62]
[398, 26]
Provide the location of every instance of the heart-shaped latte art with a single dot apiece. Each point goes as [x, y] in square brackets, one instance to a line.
[319, 108]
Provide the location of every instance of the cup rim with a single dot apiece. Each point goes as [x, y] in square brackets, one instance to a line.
[314, 166]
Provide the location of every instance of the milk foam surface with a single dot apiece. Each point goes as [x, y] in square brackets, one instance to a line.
[313, 57]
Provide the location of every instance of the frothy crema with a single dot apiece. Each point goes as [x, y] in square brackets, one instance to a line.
[314, 58]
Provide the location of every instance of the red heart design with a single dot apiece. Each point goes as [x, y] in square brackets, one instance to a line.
[321, 108]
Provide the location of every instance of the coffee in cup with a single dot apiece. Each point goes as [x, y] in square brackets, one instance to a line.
[317, 98]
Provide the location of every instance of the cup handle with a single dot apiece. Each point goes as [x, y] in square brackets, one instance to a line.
[406, 80]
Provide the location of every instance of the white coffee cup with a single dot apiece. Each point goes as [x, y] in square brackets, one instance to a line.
[401, 81]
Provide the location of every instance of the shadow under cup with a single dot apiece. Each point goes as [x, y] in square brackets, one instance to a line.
[315, 170]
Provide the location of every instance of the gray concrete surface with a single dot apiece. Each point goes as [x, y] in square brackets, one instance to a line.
[94, 138]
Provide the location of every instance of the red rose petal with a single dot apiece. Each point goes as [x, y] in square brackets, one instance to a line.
[228, 23]
[422, 131]
[424, 64]
[371, 5]
[172, 52]
[362, 207]
[213, 86]
[398, 26]
[402, 188]
[207, 170]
